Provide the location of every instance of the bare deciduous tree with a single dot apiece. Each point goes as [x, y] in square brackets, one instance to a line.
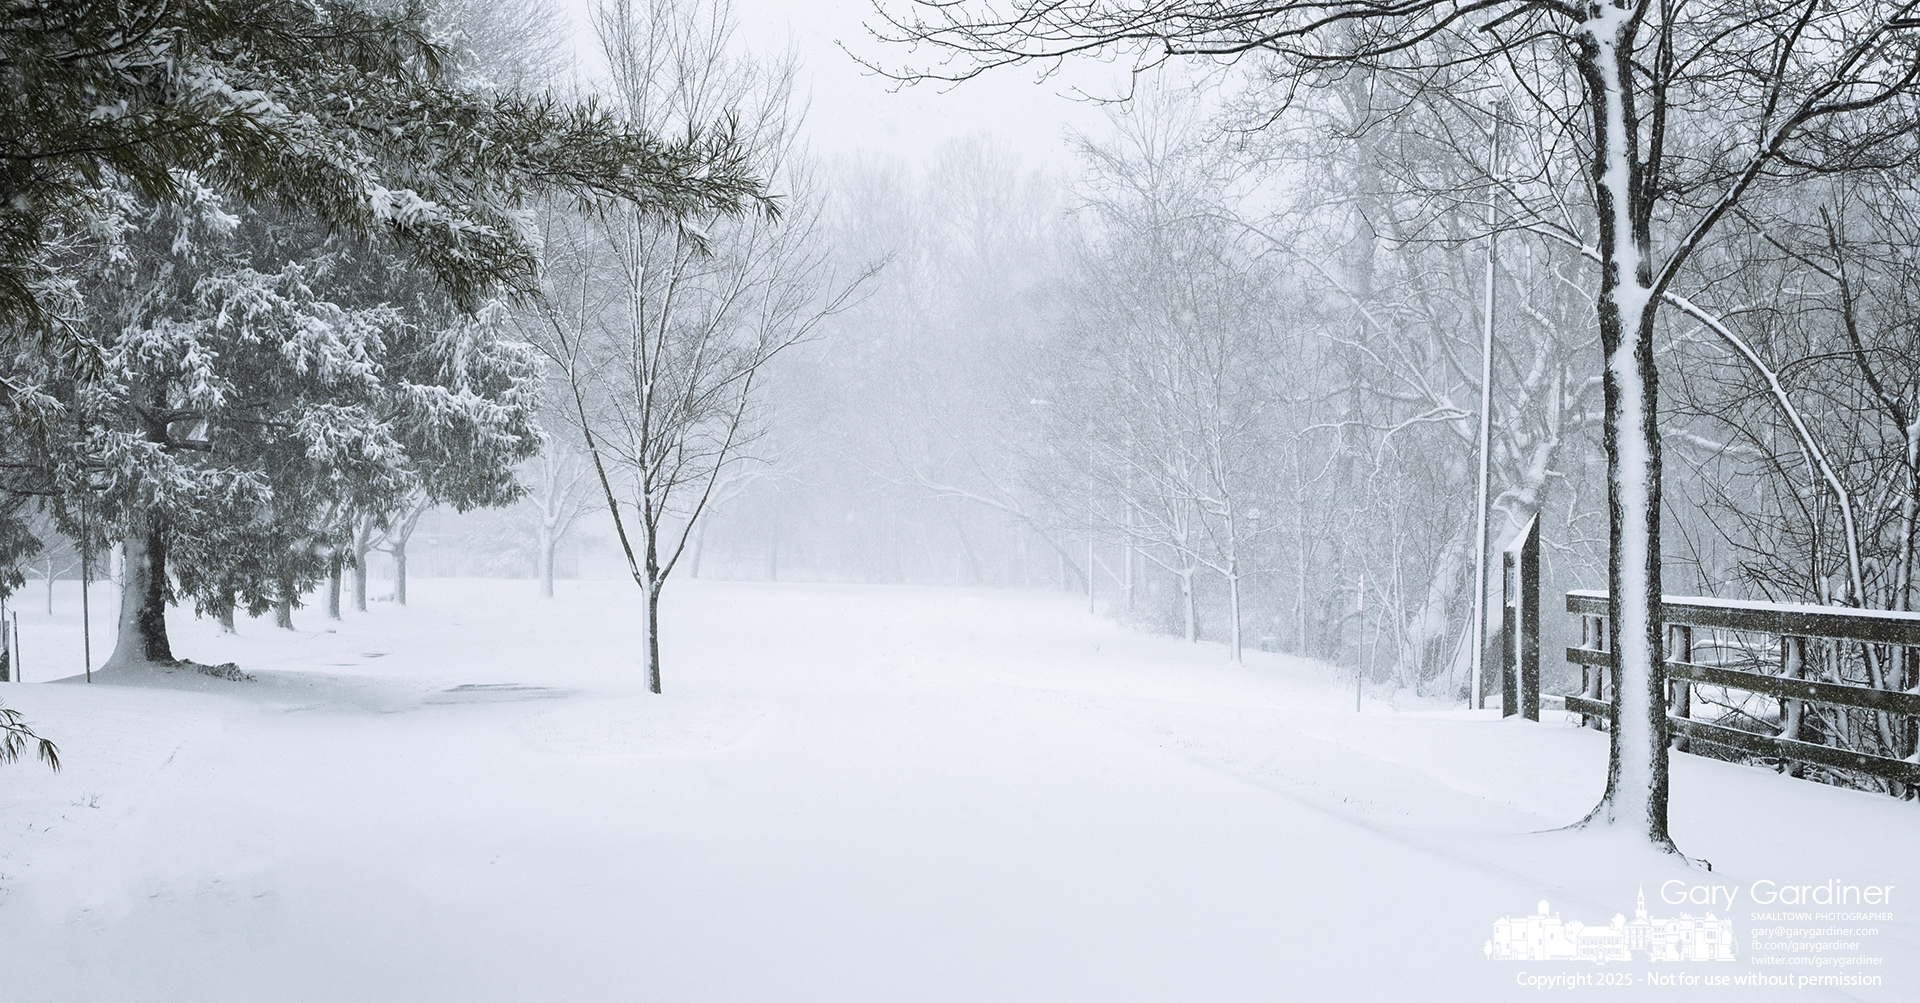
[1680, 112]
[661, 330]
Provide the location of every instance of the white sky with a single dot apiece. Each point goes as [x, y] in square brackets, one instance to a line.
[854, 113]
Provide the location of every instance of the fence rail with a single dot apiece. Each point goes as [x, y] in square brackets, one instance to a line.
[1873, 626]
[1793, 624]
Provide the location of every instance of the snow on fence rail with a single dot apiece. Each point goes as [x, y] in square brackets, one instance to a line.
[1829, 722]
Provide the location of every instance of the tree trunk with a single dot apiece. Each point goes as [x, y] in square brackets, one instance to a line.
[360, 580]
[1186, 597]
[1433, 621]
[699, 548]
[334, 568]
[653, 637]
[1909, 517]
[283, 613]
[283, 603]
[225, 617]
[1233, 617]
[142, 632]
[1300, 575]
[1636, 794]
[116, 564]
[546, 560]
[1091, 608]
[400, 572]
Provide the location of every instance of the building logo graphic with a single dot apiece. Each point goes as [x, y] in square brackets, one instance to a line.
[1544, 936]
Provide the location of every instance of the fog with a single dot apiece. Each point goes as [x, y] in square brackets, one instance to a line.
[1140, 330]
[951, 499]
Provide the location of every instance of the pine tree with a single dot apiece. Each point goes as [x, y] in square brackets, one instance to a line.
[349, 110]
[256, 392]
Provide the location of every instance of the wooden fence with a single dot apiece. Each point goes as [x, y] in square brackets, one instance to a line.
[1729, 665]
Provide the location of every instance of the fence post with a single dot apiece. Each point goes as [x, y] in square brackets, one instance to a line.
[1680, 704]
[1793, 665]
[1530, 621]
[1509, 634]
[1520, 626]
[1586, 642]
[1907, 673]
[1593, 637]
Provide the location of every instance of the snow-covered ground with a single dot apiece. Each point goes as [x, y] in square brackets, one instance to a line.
[847, 793]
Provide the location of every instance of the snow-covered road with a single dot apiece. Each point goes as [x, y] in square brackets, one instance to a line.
[847, 794]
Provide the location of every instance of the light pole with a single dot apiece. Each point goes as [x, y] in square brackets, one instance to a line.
[1478, 699]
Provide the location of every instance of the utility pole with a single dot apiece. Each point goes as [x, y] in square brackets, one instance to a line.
[1478, 699]
[86, 583]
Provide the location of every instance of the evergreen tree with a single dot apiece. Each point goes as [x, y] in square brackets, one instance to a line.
[255, 392]
[350, 110]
